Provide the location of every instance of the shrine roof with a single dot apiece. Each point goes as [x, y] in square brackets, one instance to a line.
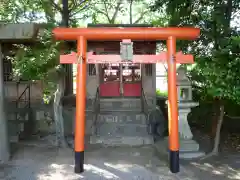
[119, 25]
[22, 33]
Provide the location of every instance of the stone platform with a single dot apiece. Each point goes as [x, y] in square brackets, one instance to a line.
[121, 122]
[121, 128]
[189, 149]
[121, 141]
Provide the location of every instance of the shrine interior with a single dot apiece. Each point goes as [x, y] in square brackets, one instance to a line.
[125, 79]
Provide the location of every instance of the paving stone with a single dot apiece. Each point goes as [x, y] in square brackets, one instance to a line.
[105, 163]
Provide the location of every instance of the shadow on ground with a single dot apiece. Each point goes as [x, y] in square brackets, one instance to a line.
[222, 167]
[125, 163]
[41, 162]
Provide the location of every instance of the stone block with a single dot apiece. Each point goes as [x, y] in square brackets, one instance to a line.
[13, 131]
[189, 149]
[188, 146]
[14, 139]
[191, 155]
[114, 104]
[119, 130]
[43, 126]
[124, 117]
[23, 31]
[121, 122]
[69, 121]
[119, 141]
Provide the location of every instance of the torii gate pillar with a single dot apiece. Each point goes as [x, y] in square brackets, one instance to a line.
[172, 106]
[84, 34]
[80, 104]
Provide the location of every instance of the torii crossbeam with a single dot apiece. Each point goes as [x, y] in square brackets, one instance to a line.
[82, 35]
[97, 59]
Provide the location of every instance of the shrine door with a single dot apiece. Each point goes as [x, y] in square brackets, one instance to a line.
[120, 80]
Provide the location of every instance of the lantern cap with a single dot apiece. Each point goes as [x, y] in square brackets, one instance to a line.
[182, 79]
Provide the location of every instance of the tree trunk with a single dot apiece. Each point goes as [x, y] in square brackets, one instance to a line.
[130, 11]
[218, 130]
[218, 134]
[58, 117]
[68, 90]
[215, 118]
[117, 9]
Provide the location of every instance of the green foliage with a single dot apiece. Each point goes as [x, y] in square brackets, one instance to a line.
[215, 73]
[125, 12]
[160, 93]
[40, 61]
[13, 11]
[217, 50]
[33, 63]
[220, 72]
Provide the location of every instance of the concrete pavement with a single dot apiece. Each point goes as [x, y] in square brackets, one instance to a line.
[110, 163]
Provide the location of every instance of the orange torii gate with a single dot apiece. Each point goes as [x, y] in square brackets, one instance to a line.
[81, 58]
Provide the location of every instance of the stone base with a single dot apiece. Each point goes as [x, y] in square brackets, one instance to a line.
[191, 155]
[189, 149]
[14, 139]
[121, 141]
[188, 145]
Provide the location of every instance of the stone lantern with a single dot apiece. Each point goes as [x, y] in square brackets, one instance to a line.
[188, 147]
[184, 86]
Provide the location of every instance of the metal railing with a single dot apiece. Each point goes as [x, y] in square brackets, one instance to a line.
[145, 106]
[95, 109]
[24, 99]
[145, 110]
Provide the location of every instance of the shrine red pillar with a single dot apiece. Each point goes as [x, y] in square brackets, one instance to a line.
[80, 104]
[172, 106]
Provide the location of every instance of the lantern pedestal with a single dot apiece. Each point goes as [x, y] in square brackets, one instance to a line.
[189, 148]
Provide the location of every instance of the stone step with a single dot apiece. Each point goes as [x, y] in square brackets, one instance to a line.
[115, 129]
[188, 146]
[122, 117]
[191, 155]
[121, 141]
[120, 104]
[120, 109]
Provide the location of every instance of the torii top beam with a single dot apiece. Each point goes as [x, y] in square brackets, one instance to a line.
[144, 33]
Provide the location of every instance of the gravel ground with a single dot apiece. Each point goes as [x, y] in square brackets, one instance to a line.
[39, 160]
[225, 166]
[122, 163]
